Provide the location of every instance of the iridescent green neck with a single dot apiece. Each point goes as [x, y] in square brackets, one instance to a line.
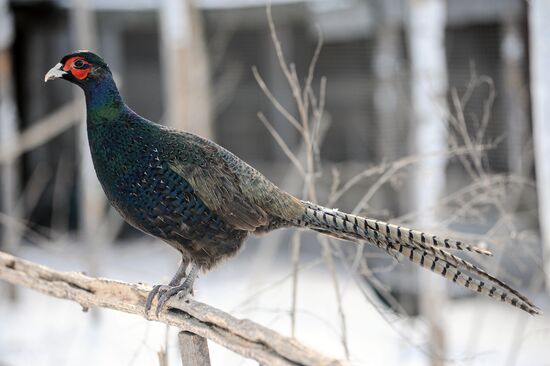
[103, 101]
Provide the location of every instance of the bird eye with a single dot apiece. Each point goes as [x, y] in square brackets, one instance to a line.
[78, 64]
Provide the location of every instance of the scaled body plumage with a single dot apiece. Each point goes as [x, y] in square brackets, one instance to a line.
[204, 201]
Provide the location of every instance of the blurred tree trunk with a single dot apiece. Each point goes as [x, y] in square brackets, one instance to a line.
[92, 200]
[515, 94]
[8, 133]
[185, 67]
[539, 35]
[386, 65]
[427, 20]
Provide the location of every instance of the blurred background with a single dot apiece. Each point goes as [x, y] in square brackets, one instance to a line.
[428, 113]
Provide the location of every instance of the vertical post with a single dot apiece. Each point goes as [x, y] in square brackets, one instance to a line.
[112, 46]
[8, 134]
[175, 37]
[193, 349]
[539, 33]
[200, 115]
[429, 86]
[515, 93]
[92, 202]
[385, 67]
[185, 66]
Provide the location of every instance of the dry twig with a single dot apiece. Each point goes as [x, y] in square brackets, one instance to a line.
[308, 124]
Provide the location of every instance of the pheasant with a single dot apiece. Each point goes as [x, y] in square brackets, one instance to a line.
[204, 201]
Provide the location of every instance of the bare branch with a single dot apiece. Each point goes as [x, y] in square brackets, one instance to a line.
[308, 107]
[43, 131]
[327, 256]
[242, 336]
[282, 143]
[313, 64]
[289, 117]
[278, 47]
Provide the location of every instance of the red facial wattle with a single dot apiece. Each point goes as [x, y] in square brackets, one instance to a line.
[79, 73]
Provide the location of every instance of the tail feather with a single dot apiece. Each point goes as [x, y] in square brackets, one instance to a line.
[452, 273]
[465, 265]
[421, 248]
[409, 236]
[401, 234]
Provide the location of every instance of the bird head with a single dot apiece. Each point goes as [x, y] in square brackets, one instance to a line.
[82, 68]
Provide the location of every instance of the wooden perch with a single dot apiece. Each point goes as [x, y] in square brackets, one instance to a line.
[194, 349]
[242, 336]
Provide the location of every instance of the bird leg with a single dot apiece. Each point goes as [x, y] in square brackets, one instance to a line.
[161, 289]
[182, 290]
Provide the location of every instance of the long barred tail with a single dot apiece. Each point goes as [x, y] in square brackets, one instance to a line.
[420, 248]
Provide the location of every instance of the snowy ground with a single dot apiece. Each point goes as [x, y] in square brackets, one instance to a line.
[41, 330]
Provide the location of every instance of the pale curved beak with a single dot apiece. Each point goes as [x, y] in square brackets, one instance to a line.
[55, 72]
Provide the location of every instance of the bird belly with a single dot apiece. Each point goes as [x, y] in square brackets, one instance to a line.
[161, 203]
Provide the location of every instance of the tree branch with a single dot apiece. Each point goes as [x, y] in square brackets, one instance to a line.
[242, 336]
[43, 130]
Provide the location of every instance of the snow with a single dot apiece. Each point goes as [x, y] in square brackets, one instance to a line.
[39, 330]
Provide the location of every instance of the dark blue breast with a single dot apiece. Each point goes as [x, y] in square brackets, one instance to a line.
[150, 195]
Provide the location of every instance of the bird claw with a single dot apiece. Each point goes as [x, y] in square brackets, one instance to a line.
[181, 291]
[165, 292]
[157, 290]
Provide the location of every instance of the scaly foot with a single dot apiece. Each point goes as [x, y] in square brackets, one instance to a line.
[165, 292]
[161, 289]
[181, 291]
[157, 290]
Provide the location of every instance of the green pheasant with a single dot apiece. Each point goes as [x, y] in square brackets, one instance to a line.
[204, 201]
